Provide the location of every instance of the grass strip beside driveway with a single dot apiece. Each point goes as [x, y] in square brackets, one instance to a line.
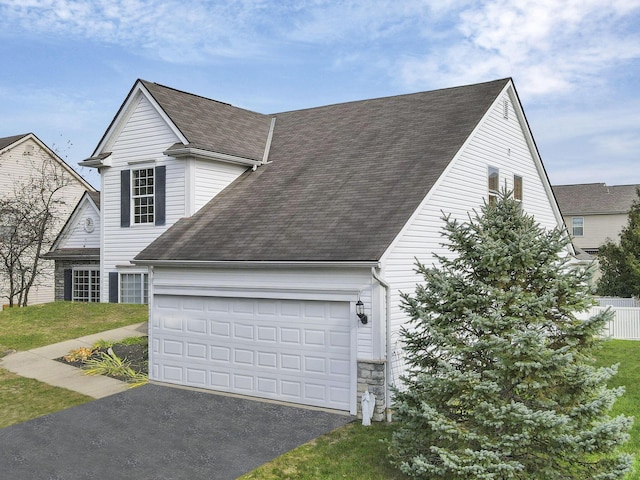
[23, 399]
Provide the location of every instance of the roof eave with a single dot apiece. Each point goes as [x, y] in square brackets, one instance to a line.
[203, 154]
[100, 161]
[255, 264]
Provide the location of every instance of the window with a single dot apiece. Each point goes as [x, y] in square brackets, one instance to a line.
[577, 226]
[494, 185]
[142, 195]
[86, 285]
[134, 288]
[517, 187]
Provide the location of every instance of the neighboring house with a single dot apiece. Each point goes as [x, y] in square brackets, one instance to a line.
[272, 249]
[76, 253]
[21, 159]
[594, 212]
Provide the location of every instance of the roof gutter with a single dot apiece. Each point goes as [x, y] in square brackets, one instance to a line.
[255, 264]
[209, 155]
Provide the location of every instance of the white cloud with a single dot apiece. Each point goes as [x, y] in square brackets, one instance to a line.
[551, 47]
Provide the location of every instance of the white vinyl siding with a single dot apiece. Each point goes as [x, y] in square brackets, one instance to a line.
[497, 142]
[211, 178]
[142, 138]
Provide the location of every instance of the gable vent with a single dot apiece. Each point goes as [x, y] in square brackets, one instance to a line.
[28, 150]
[505, 109]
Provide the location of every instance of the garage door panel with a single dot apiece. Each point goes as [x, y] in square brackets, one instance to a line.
[297, 351]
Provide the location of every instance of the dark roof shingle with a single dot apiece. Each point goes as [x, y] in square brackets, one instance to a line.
[341, 183]
[6, 141]
[212, 125]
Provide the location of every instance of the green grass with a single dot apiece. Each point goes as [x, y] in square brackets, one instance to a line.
[24, 328]
[354, 452]
[627, 354]
[358, 452]
[22, 399]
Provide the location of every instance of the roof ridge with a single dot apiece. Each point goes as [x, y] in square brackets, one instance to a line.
[145, 82]
[386, 97]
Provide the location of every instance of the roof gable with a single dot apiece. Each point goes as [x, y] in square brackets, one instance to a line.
[200, 123]
[89, 202]
[8, 143]
[341, 182]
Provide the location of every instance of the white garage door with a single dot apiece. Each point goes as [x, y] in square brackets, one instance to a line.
[289, 350]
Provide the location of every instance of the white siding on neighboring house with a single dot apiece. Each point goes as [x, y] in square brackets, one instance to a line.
[597, 229]
[498, 142]
[17, 166]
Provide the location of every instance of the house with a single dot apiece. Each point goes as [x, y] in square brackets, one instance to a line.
[272, 248]
[24, 160]
[76, 253]
[594, 212]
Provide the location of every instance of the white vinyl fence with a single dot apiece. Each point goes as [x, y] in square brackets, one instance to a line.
[617, 302]
[625, 323]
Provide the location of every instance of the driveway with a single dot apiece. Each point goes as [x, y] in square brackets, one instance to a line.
[158, 432]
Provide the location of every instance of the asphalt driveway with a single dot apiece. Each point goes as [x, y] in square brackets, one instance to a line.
[158, 432]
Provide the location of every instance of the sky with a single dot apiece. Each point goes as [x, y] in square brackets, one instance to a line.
[67, 65]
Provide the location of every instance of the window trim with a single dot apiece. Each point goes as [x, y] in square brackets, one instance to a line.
[515, 190]
[493, 172]
[574, 226]
[126, 203]
[144, 287]
[143, 183]
[94, 280]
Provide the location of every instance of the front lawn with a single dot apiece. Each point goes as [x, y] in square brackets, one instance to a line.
[24, 328]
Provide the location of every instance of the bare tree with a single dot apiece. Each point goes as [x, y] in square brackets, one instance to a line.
[29, 222]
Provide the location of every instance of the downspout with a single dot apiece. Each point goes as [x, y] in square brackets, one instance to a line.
[387, 389]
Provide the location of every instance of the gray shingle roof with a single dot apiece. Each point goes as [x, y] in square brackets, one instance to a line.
[594, 198]
[6, 141]
[212, 125]
[341, 183]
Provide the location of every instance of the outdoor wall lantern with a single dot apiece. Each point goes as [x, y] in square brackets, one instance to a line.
[360, 312]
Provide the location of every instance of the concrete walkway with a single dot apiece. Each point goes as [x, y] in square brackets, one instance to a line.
[39, 364]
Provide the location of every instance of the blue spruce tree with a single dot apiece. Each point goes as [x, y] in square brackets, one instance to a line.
[500, 382]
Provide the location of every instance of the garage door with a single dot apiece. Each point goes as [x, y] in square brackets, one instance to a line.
[289, 350]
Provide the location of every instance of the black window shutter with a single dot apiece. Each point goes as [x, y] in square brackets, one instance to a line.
[68, 279]
[160, 201]
[113, 287]
[125, 198]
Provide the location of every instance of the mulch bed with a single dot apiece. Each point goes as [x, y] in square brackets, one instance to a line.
[136, 355]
